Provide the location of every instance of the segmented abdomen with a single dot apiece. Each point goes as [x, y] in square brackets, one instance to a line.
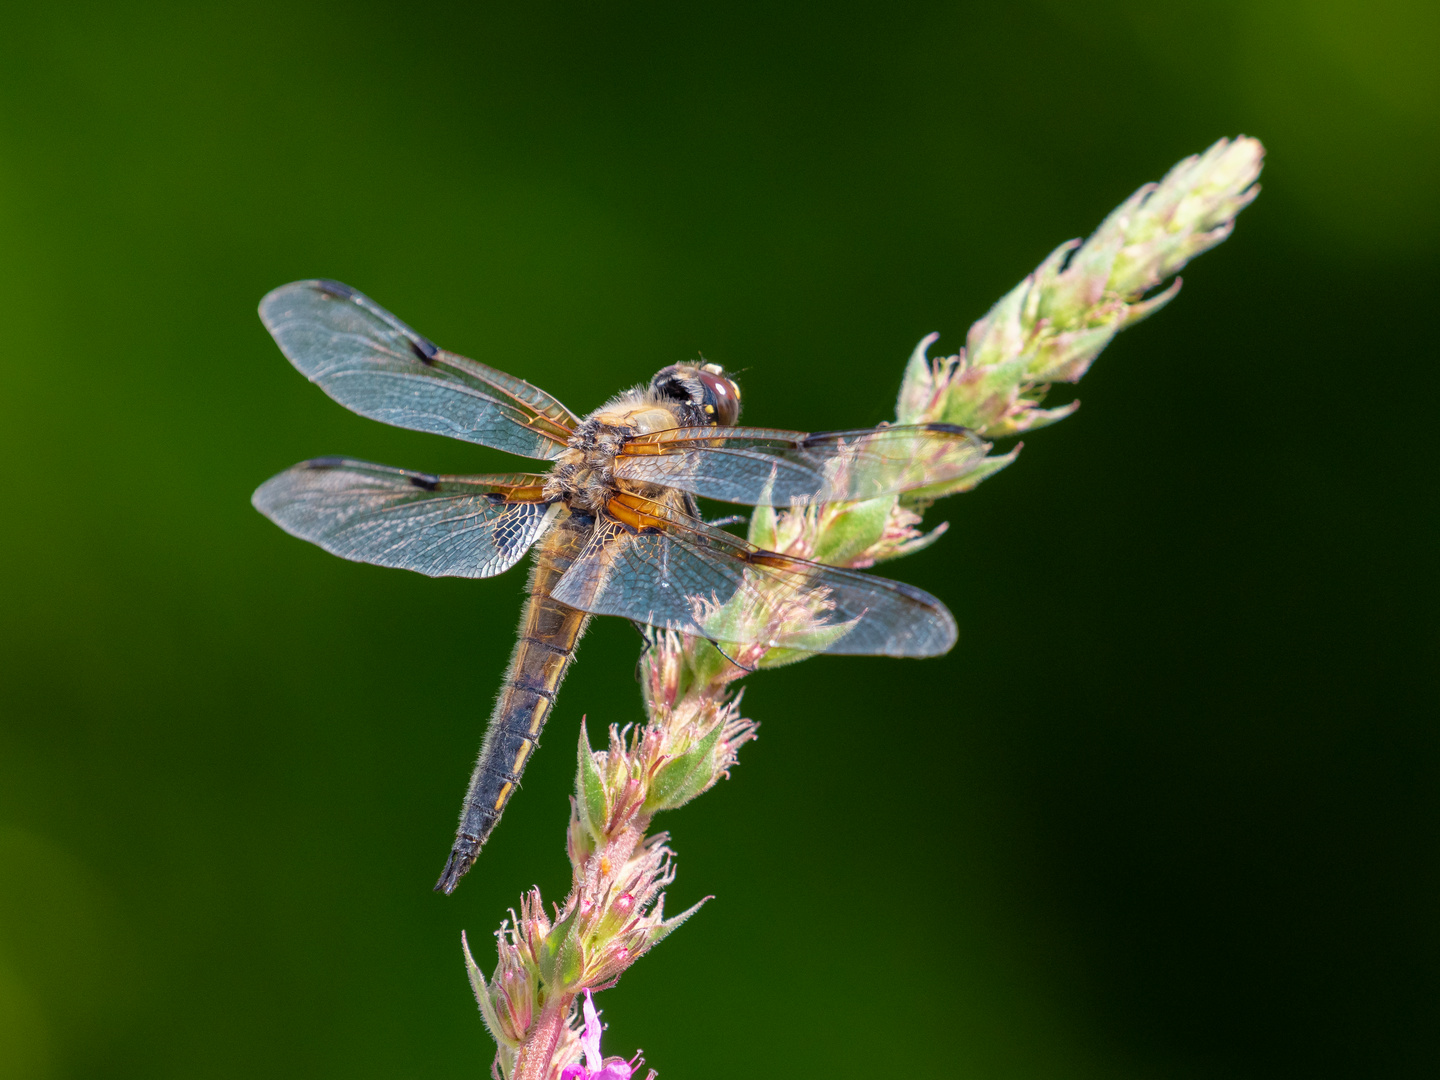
[548, 635]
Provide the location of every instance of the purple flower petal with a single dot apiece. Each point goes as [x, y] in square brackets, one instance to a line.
[591, 1039]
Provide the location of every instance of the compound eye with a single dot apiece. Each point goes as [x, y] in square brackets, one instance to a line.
[722, 397]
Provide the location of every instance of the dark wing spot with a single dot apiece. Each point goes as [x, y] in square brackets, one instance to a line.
[949, 429]
[424, 350]
[336, 288]
[325, 462]
[425, 483]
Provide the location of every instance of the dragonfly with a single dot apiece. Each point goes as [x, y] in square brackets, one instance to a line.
[613, 524]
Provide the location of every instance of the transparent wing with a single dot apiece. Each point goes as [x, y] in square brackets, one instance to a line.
[371, 362]
[441, 526]
[677, 573]
[762, 467]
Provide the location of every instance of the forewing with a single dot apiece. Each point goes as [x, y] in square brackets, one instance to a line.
[441, 526]
[372, 363]
[765, 467]
[686, 576]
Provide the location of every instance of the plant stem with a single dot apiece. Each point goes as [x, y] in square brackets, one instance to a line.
[533, 1061]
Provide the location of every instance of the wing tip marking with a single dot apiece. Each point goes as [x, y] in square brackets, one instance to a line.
[331, 287]
[425, 349]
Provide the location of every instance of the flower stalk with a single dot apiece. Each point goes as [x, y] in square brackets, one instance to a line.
[1048, 329]
[615, 911]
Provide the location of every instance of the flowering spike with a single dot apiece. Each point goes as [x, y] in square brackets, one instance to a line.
[1052, 326]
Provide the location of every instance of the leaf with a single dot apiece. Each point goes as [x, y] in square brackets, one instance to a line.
[482, 995]
[590, 789]
[682, 778]
[857, 526]
[762, 527]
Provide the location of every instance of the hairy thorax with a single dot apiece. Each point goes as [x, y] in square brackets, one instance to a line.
[584, 475]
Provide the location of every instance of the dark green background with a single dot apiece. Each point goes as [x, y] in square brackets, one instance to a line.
[1170, 809]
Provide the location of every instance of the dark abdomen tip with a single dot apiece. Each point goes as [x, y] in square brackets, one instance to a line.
[462, 857]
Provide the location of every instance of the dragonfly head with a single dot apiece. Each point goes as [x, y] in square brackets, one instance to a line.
[705, 388]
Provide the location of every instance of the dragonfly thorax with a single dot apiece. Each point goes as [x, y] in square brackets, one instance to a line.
[584, 474]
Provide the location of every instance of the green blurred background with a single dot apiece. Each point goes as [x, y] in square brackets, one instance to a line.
[1169, 811]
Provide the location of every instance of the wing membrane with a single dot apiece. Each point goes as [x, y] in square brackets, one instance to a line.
[680, 574]
[441, 526]
[762, 466]
[371, 362]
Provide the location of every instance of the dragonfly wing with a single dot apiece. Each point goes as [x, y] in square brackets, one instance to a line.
[685, 576]
[372, 363]
[441, 526]
[763, 467]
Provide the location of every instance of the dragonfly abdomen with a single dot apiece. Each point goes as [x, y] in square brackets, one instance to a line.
[549, 632]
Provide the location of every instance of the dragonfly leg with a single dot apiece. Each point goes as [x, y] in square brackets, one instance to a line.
[722, 652]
